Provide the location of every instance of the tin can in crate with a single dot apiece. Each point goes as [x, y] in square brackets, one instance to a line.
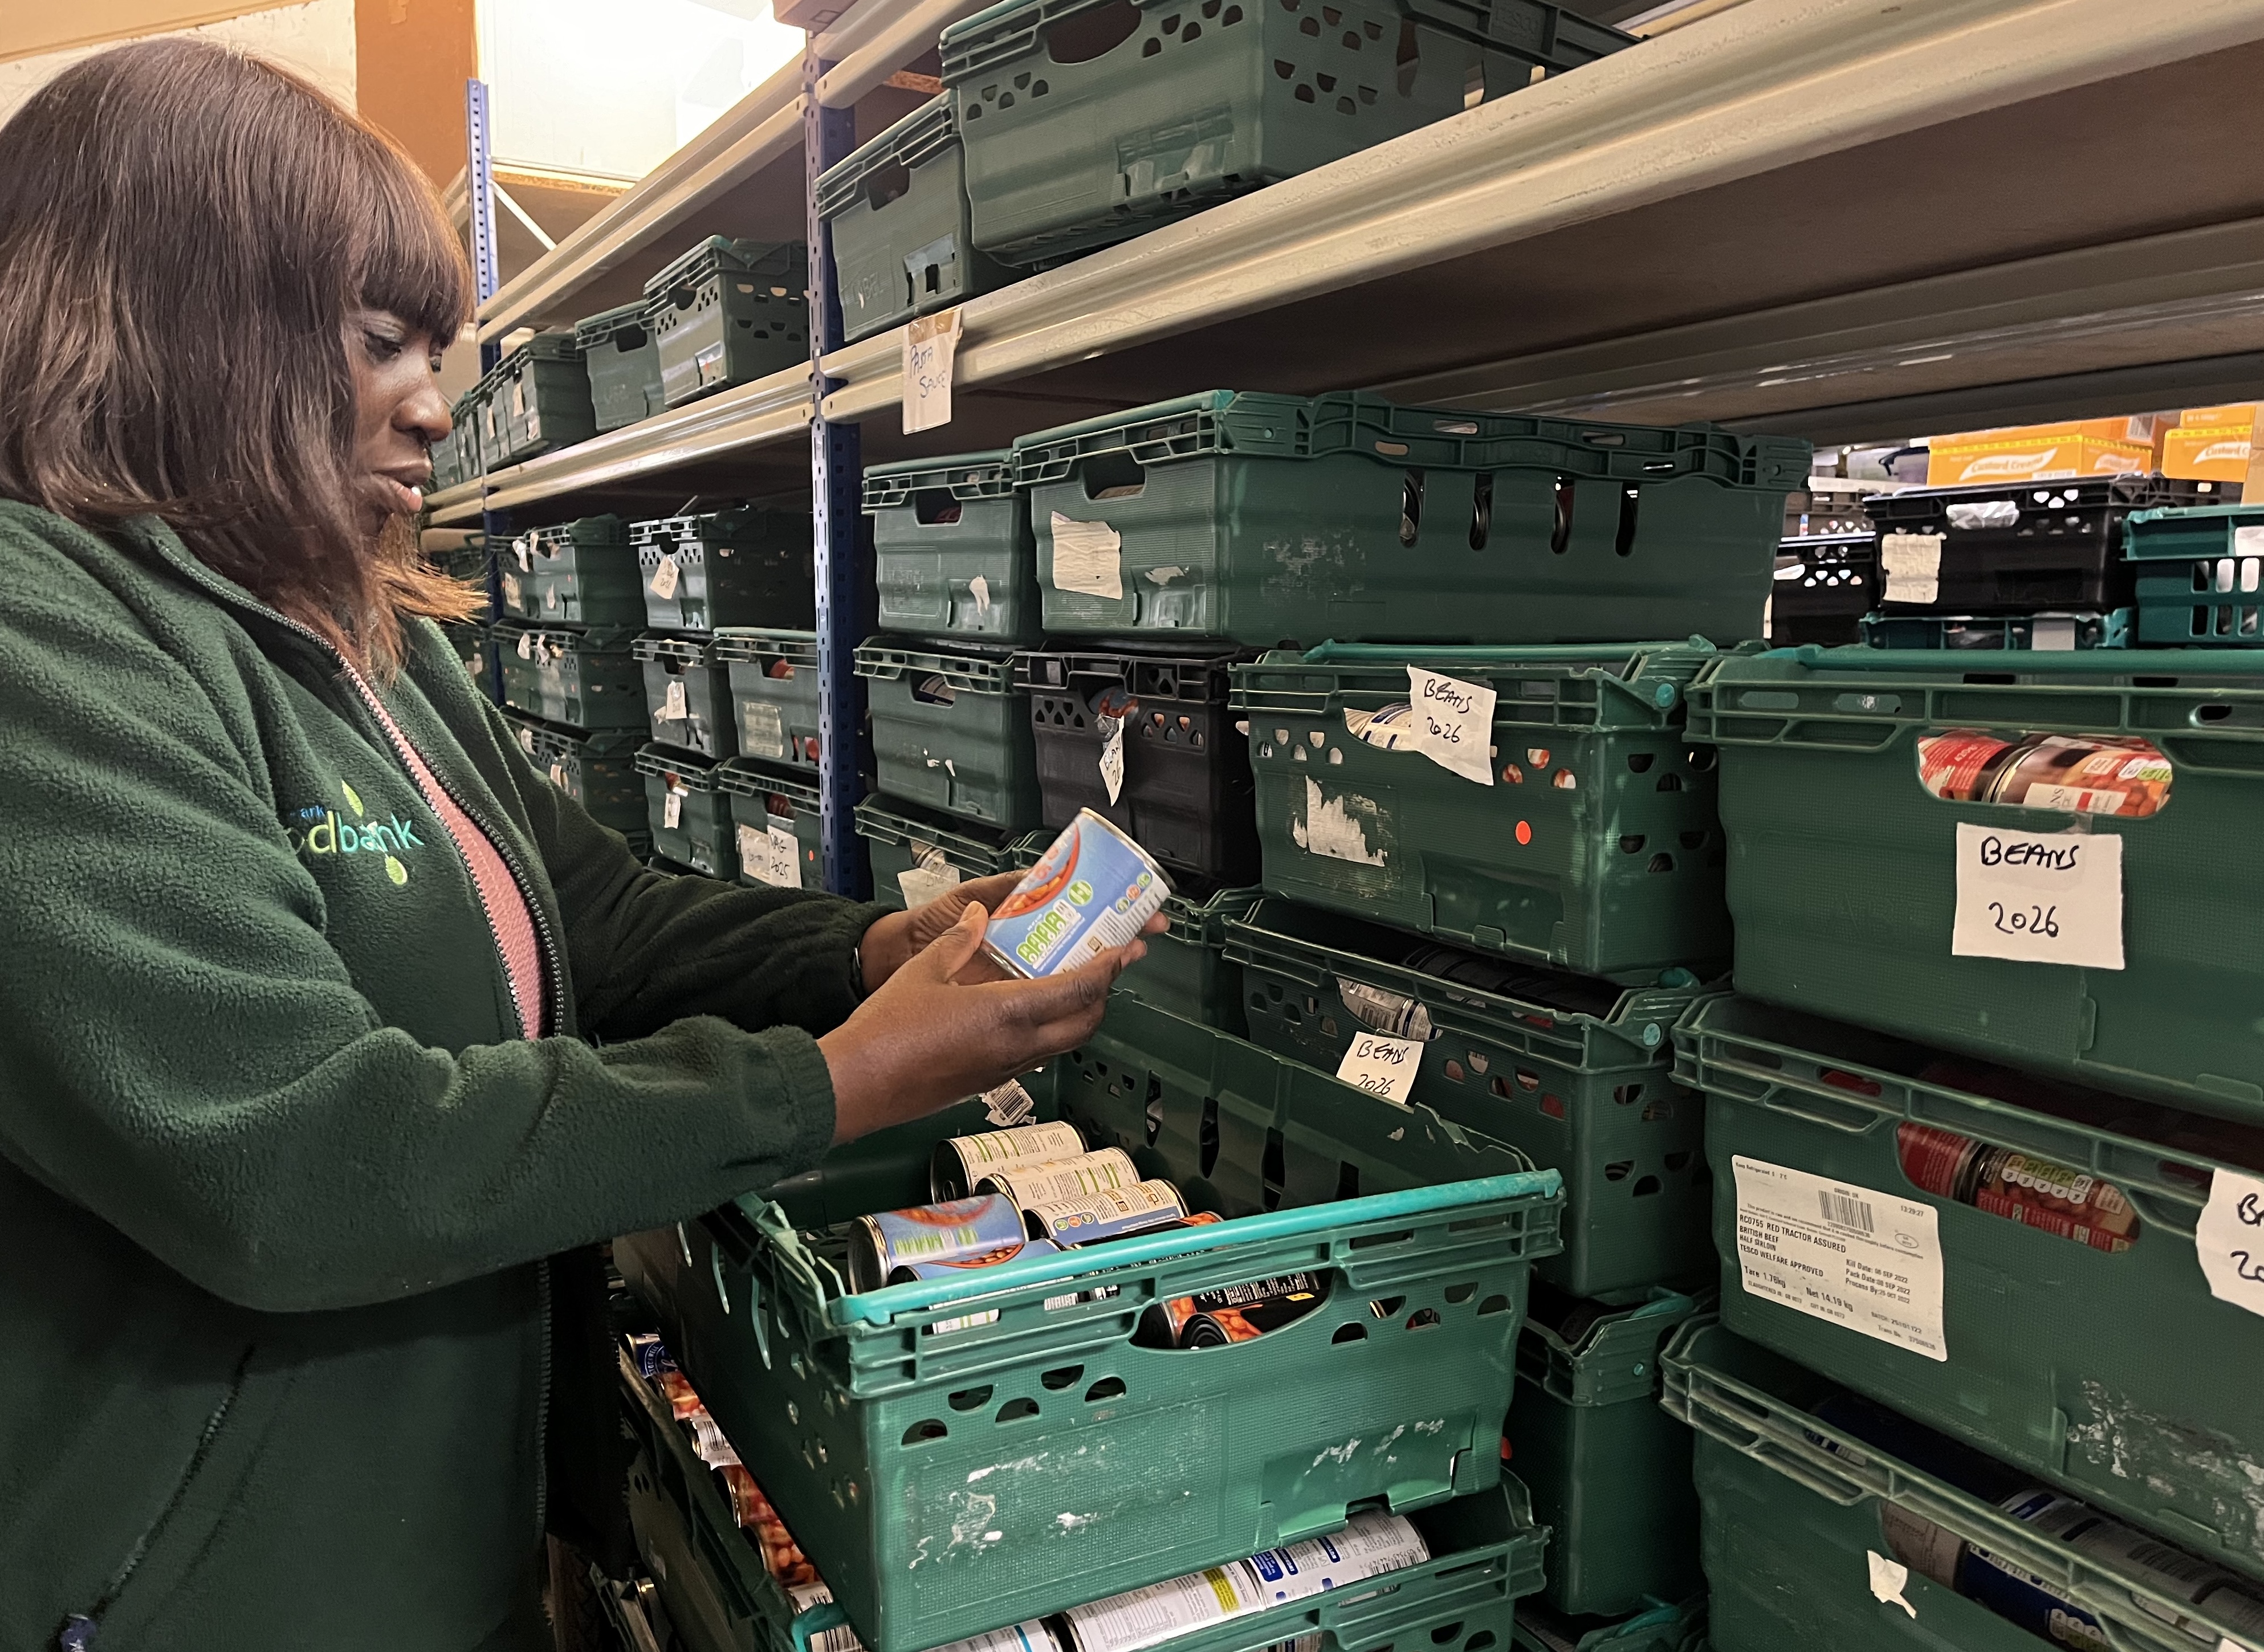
[1093, 889]
[958, 1231]
[1063, 1178]
[1113, 1212]
[962, 1162]
[2100, 775]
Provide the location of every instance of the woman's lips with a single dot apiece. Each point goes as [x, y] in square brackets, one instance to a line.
[400, 498]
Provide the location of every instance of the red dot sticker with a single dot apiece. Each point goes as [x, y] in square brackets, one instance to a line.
[1525, 831]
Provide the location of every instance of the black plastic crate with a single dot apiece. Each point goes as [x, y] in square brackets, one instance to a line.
[743, 566]
[1184, 791]
[2014, 549]
[1823, 587]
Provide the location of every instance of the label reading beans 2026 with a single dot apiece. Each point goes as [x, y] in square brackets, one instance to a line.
[2039, 897]
[1381, 1065]
[1452, 722]
[1856, 1257]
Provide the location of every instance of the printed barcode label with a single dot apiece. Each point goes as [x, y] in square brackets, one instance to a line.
[1854, 1256]
[1848, 1213]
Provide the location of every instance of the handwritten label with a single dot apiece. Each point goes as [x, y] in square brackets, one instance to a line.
[923, 884]
[2230, 1238]
[1453, 723]
[770, 855]
[1088, 558]
[1381, 1065]
[1912, 565]
[674, 706]
[672, 809]
[930, 348]
[1855, 1256]
[2039, 897]
[518, 549]
[665, 577]
[1112, 755]
[558, 777]
[1889, 1579]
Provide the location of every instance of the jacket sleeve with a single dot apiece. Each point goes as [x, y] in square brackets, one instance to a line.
[188, 1057]
[647, 949]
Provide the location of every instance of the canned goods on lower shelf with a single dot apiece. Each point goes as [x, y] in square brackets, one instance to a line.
[2045, 1237]
[1170, 1460]
[688, 811]
[774, 826]
[688, 694]
[951, 731]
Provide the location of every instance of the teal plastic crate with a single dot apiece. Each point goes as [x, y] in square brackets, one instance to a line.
[1790, 1521]
[729, 312]
[1189, 970]
[1272, 518]
[2045, 633]
[467, 561]
[901, 836]
[897, 207]
[1574, 1072]
[1595, 849]
[952, 547]
[578, 573]
[2044, 1368]
[540, 400]
[2198, 572]
[688, 812]
[688, 694]
[1165, 1460]
[1086, 122]
[773, 681]
[622, 358]
[1607, 1468]
[1842, 864]
[951, 731]
[597, 771]
[586, 679]
[1661, 1627]
[467, 419]
[775, 825]
[743, 566]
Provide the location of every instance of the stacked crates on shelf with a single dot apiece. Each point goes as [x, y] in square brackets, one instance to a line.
[727, 313]
[727, 599]
[538, 398]
[463, 555]
[1986, 1122]
[621, 356]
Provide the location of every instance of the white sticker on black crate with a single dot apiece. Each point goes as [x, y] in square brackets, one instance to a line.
[1381, 1065]
[665, 576]
[1912, 563]
[1088, 558]
[674, 707]
[1112, 755]
[1854, 1256]
[2039, 897]
[2230, 1238]
[1453, 723]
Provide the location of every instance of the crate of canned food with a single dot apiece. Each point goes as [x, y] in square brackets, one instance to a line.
[1970, 1231]
[597, 771]
[952, 548]
[586, 679]
[688, 812]
[1573, 1071]
[622, 358]
[742, 566]
[951, 730]
[775, 826]
[772, 676]
[688, 694]
[1544, 802]
[729, 312]
[1268, 519]
[2197, 576]
[578, 573]
[2007, 857]
[1250, 1300]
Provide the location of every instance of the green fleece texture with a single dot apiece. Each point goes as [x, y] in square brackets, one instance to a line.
[276, 1176]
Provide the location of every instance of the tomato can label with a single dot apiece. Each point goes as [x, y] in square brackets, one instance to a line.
[1092, 890]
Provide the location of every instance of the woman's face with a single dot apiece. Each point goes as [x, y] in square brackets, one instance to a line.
[399, 413]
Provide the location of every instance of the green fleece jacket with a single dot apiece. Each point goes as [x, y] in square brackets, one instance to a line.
[277, 1176]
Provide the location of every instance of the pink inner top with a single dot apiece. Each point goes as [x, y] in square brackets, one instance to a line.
[509, 918]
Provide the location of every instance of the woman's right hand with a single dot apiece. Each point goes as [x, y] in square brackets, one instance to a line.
[925, 1039]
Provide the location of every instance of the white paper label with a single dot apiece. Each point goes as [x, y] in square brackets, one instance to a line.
[2248, 541]
[1111, 755]
[558, 777]
[526, 741]
[2039, 897]
[672, 809]
[2051, 636]
[923, 884]
[1912, 565]
[514, 595]
[665, 577]
[762, 729]
[1888, 1578]
[526, 645]
[1088, 558]
[1008, 1105]
[1381, 1065]
[771, 855]
[1856, 1257]
[1453, 723]
[519, 550]
[931, 347]
[2230, 1238]
[674, 706]
[979, 588]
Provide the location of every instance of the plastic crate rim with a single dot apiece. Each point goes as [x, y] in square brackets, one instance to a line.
[911, 140]
[742, 778]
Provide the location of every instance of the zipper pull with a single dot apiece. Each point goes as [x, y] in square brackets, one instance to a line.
[76, 1634]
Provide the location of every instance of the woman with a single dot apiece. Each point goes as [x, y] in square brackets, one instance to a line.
[329, 1019]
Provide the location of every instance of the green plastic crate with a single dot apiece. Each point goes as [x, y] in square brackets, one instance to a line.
[773, 679]
[744, 566]
[2042, 632]
[1267, 518]
[1596, 849]
[597, 771]
[941, 526]
[466, 417]
[1086, 122]
[1572, 1071]
[1607, 1468]
[1165, 1460]
[898, 210]
[701, 835]
[447, 455]
[679, 1594]
[1189, 970]
[951, 731]
[1661, 1627]
[540, 399]
[2198, 573]
[688, 694]
[475, 646]
[900, 836]
[578, 573]
[770, 803]
[1789, 1516]
[586, 679]
[2047, 1368]
[1842, 865]
[622, 358]
[729, 312]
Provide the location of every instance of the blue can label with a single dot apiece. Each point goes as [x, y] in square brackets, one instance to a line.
[1093, 889]
[958, 1231]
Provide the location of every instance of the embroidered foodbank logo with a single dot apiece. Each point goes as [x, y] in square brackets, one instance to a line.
[318, 831]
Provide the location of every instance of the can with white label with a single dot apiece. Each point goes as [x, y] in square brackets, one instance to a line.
[962, 1230]
[962, 1161]
[1063, 1178]
[1093, 889]
[1113, 1212]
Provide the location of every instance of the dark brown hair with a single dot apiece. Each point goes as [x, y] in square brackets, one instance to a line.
[184, 229]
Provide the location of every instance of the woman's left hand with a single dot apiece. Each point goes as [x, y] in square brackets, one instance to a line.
[900, 936]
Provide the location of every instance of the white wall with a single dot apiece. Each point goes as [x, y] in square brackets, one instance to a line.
[316, 38]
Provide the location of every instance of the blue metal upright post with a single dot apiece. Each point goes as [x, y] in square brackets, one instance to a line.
[846, 603]
[479, 181]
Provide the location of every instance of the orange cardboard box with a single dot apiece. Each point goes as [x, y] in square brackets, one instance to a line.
[2042, 453]
[2209, 443]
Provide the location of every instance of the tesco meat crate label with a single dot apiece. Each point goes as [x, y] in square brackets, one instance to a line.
[1853, 1256]
[2039, 897]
